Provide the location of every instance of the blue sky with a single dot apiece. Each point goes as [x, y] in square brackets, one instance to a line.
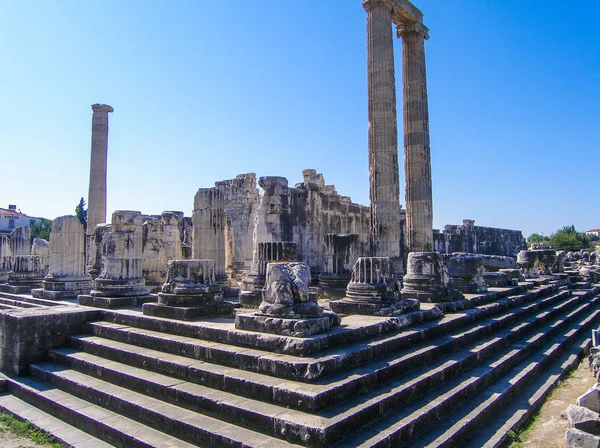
[205, 90]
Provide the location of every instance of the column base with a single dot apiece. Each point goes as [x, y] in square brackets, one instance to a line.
[497, 279]
[295, 327]
[334, 285]
[114, 302]
[380, 308]
[251, 299]
[187, 312]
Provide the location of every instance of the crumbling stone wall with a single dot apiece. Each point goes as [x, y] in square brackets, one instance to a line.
[279, 213]
[473, 239]
[241, 200]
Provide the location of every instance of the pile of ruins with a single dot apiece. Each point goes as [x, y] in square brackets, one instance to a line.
[280, 314]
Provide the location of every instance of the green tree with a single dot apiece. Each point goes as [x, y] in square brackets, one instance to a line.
[537, 238]
[41, 229]
[570, 239]
[81, 213]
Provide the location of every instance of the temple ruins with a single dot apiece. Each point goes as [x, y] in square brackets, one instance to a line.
[285, 314]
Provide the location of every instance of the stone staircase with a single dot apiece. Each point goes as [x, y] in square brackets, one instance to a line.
[135, 380]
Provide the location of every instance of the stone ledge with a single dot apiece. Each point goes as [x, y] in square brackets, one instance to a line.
[27, 334]
[187, 312]
[298, 328]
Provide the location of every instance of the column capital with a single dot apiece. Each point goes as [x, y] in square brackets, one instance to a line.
[370, 4]
[102, 108]
[412, 27]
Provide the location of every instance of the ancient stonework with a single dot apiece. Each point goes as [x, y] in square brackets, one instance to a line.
[241, 201]
[96, 246]
[66, 278]
[27, 271]
[98, 164]
[288, 308]
[209, 230]
[190, 291]
[466, 273]
[5, 258]
[374, 290]
[340, 255]
[473, 239]
[384, 183]
[427, 279]
[266, 253]
[121, 282]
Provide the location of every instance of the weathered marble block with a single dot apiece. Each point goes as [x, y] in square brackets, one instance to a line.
[427, 279]
[190, 291]
[374, 290]
[529, 262]
[466, 273]
[5, 258]
[66, 278]
[269, 252]
[288, 308]
[27, 271]
[121, 282]
[340, 256]
[497, 279]
[494, 263]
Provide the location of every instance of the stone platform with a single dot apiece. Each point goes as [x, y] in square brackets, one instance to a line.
[295, 327]
[369, 381]
[115, 302]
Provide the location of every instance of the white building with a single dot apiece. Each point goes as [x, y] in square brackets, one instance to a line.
[10, 219]
[593, 232]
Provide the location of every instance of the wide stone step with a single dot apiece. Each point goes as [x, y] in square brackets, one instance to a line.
[330, 425]
[6, 303]
[104, 424]
[60, 430]
[174, 423]
[306, 368]
[28, 299]
[495, 432]
[502, 396]
[325, 392]
[354, 328]
[549, 341]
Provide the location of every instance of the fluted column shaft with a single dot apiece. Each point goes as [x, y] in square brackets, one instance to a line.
[417, 157]
[209, 227]
[383, 131]
[98, 163]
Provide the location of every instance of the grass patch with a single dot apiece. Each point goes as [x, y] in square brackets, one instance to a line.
[26, 430]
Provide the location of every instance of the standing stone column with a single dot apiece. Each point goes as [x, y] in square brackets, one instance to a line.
[121, 282]
[97, 192]
[27, 270]
[417, 157]
[66, 277]
[5, 258]
[383, 132]
[209, 230]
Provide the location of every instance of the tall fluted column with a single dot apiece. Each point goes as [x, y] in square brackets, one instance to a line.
[209, 229]
[417, 158]
[383, 131]
[97, 192]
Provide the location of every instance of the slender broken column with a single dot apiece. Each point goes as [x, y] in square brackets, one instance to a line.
[417, 157]
[97, 192]
[383, 132]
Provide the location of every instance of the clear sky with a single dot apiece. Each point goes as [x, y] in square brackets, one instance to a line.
[205, 90]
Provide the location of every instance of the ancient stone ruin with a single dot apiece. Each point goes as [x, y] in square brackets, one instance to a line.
[355, 325]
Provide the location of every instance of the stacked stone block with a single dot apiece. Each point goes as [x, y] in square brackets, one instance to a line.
[66, 278]
[121, 282]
